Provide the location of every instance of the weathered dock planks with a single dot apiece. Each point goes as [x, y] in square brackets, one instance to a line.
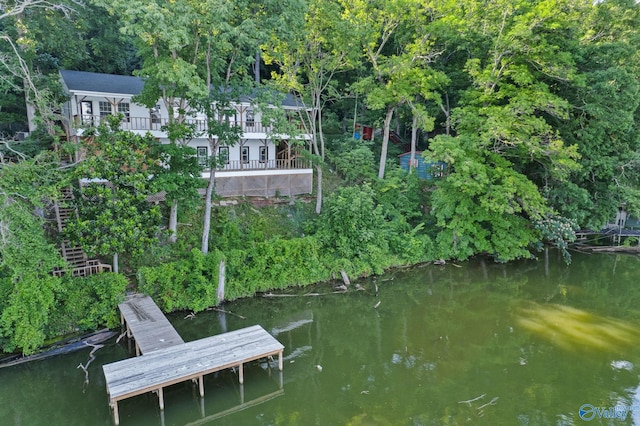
[146, 323]
[157, 369]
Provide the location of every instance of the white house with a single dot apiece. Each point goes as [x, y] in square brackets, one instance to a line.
[256, 166]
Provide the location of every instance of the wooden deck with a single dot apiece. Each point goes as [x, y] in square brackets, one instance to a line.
[148, 326]
[163, 367]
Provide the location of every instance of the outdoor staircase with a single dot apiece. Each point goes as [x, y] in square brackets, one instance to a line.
[75, 256]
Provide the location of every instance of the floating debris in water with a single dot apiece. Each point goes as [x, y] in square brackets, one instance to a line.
[622, 365]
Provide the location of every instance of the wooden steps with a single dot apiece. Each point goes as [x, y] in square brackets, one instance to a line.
[80, 264]
[74, 256]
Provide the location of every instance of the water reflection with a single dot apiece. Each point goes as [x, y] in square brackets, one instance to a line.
[576, 329]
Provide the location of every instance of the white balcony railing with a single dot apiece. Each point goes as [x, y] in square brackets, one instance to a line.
[150, 123]
[280, 164]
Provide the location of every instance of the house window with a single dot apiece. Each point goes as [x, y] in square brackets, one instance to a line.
[244, 154]
[86, 112]
[250, 118]
[264, 154]
[436, 170]
[203, 155]
[223, 153]
[105, 108]
[123, 108]
[155, 114]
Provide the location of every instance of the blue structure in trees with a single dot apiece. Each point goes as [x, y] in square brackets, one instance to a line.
[426, 170]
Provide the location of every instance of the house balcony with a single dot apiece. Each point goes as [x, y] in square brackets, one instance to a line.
[256, 165]
[155, 124]
[275, 177]
[286, 174]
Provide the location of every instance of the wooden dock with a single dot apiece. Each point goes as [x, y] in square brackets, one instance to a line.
[167, 360]
[147, 325]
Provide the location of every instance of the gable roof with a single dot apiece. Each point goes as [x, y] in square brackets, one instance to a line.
[83, 81]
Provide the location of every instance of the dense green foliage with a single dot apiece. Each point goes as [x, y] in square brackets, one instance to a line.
[111, 194]
[188, 283]
[87, 303]
[27, 291]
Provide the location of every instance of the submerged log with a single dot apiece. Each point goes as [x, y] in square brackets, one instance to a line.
[84, 342]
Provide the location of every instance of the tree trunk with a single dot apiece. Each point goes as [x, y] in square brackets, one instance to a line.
[207, 204]
[207, 213]
[414, 141]
[173, 222]
[116, 269]
[256, 67]
[31, 115]
[319, 166]
[385, 141]
[319, 188]
[447, 113]
[320, 132]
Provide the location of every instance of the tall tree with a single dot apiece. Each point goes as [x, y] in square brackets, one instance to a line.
[307, 64]
[18, 51]
[231, 34]
[399, 51]
[603, 116]
[505, 137]
[199, 54]
[168, 39]
[114, 215]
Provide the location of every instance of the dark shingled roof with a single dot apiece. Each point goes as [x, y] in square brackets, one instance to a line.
[126, 85]
[95, 82]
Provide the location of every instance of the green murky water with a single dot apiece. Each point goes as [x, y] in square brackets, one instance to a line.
[480, 343]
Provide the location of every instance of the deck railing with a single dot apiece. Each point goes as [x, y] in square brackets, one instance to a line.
[153, 123]
[237, 165]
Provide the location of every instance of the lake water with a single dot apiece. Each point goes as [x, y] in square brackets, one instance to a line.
[479, 343]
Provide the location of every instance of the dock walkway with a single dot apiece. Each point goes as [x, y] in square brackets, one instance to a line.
[167, 360]
[146, 323]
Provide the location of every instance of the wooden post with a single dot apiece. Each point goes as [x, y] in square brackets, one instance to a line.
[241, 374]
[161, 398]
[280, 361]
[201, 382]
[116, 417]
[221, 276]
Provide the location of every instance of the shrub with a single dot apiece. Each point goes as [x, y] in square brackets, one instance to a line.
[275, 264]
[353, 227]
[87, 303]
[189, 283]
